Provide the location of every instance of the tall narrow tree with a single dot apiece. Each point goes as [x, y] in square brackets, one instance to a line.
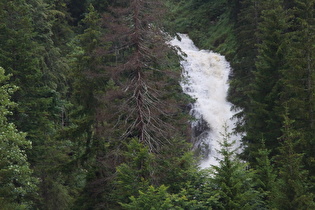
[232, 180]
[246, 29]
[126, 73]
[294, 187]
[139, 71]
[299, 76]
[263, 120]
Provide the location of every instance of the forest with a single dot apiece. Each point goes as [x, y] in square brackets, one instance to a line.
[92, 115]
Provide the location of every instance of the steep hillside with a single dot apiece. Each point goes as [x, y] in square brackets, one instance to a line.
[209, 23]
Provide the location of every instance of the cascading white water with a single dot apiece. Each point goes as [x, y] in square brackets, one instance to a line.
[205, 78]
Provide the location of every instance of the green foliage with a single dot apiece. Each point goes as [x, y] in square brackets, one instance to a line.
[100, 5]
[272, 34]
[263, 120]
[208, 23]
[198, 192]
[298, 77]
[16, 182]
[243, 63]
[153, 199]
[266, 176]
[293, 184]
[174, 168]
[89, 83]
[135, 174]
[29, 50]
[38, 101]
[143, 169]
[233, 181]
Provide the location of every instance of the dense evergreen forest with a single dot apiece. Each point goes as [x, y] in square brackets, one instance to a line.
[92, 115]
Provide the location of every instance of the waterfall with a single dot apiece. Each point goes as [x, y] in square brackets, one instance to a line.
[205, 79]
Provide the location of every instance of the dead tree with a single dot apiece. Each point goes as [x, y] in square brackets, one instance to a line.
[138, 105]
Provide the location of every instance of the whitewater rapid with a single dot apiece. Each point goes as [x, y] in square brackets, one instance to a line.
[205, 78]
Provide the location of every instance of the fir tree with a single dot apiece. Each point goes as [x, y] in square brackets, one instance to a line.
[123, 69]
[85, 88]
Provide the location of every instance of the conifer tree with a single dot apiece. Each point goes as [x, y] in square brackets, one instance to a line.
[233, 180]
[266, 177]
[123, 75]
[61, 31]
[28, 51]
[33, 115]
[299, 76]
[244, 60]
[293, 186]
[153, 198]
[199, 193]
[139, 71]
[263, 120]
[135, 174]
[84, 87]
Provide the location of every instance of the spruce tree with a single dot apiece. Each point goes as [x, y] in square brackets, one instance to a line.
[263, 120]
[29, 51]
[139, 70]
[298, 76]
[293, 185]
[243, 64]
[135, 174]
[233, 181]
[84, 91]
[266, 177]
[153, 198]
[119, 78]
[85, 88]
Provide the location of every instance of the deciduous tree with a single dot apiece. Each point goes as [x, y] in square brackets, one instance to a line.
[17, 185]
